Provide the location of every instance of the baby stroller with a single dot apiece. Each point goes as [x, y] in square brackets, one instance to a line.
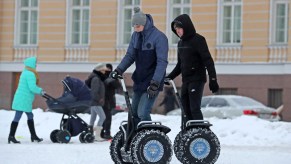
[75, 99]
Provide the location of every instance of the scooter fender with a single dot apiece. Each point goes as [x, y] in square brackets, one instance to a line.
[162, 128]
[198, 124]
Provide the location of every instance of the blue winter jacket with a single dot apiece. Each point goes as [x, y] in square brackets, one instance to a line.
[149, 50]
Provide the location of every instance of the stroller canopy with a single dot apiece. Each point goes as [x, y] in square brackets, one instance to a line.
[77, 88]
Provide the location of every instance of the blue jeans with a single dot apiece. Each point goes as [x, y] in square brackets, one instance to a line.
[18, 115]
[142, 106]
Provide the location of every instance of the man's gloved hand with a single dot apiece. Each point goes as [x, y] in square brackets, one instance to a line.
[153, 89]
[167, 80]
[42, 92]
[114, 74]
[213, 85]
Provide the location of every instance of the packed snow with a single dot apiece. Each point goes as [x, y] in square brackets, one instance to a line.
[243, 140]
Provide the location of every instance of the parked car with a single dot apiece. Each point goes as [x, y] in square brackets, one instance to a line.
[231, 106]
[120, 104]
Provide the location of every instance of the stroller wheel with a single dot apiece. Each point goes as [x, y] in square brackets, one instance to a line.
[151, 146]
[63, 136]
[89, 137]
[81, 137]
[53, 135]
[115, 146]
[199, 146]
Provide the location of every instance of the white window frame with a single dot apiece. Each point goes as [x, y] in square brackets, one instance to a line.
[120, 20]
[69, 25]
[17, 33]
[273, 20]
[170, 17]
[221, 5]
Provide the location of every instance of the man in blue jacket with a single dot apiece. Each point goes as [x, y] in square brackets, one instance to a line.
[148, 48]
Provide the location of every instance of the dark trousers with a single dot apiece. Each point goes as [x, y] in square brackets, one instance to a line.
[191, 96]
[108, 119]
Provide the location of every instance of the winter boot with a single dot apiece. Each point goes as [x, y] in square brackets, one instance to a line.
[34, 137]
[91, 129]
[106, 134]
[98, 134]
[13, 128]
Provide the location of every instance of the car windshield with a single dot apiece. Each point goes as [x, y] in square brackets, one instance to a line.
[244, 101]
[218, 102]
[205, 101]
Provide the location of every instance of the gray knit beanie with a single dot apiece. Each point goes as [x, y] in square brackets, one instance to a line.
[138, 18]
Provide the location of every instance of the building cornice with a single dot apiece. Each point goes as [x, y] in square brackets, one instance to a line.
[221, 68]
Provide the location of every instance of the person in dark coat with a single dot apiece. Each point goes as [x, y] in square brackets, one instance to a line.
[169, 101]
[95, 81]
[193, 60]
[148, 48]
[110, 102]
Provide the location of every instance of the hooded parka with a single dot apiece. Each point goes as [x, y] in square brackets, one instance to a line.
[193, 53]
[27, 88]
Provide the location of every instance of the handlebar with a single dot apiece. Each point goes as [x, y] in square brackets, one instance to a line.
[48, 97]
[174, 85]
[120, 77]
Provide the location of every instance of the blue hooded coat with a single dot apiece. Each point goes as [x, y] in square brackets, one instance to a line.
[27, 88]
[149, 50]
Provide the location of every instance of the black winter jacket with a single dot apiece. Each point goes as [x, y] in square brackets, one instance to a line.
[193, 54]
[110, 86]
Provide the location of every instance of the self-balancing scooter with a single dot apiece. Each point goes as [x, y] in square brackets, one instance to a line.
[195, 143]
[145, 143]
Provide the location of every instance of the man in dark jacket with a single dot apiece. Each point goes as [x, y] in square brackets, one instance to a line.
[193, 60]
[148, 48]
[110, 102]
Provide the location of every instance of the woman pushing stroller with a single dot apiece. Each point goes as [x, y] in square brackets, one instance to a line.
[24, 97]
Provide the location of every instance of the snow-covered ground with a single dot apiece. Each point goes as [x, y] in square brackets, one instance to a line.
[243, 140]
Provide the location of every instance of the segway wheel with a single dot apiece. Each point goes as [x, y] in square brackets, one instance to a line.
[176, 147]
[53, 136]
[115, 146]
[198, 145]
[151, 146]
[81, 137]
[63, 136]
[89, 138]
